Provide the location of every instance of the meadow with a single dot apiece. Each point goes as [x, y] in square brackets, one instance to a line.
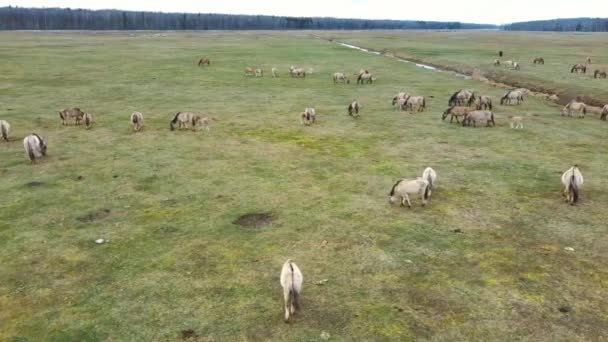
[485, 260]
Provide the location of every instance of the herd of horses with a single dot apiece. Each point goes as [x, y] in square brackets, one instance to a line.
[579, 68]
[464, 105]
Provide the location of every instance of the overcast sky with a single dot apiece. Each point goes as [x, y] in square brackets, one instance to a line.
[475, 11]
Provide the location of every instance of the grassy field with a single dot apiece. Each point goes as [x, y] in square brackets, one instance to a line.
[467, 51]
[167, 201]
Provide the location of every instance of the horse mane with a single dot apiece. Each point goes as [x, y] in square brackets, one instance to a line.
[573, 186]
[453, 98]
[40, 141]
[394, 186]
[134, 118]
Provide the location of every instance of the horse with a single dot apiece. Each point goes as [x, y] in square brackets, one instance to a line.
[366, 78]
[604, 113]
[297, 72]
[137, 120]
[496, 62]
[70, 113]
[249, 71]
[308, 116]
[516, 94]
[463, 97]
[511, 65]
[575, 106]
[455, 112]
[479, 116]
[539, 60]
[401, 95]
[353, 108]
[402, 190]
[88, 120]
[484, 102]
[517, 122]
[5, 129]
[572, 180]
[291, 281]
[183, 119]
[35, 147]
[341, 77]
[415, 101]
[204, 61]
[588, 60]
[430, 176]
[600, 73]
[258, 73]
[401, 103]
[579, 68]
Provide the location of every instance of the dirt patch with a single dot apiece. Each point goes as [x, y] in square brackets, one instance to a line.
[255, 220]
[189, 333]
[94, 216]
[34, 184]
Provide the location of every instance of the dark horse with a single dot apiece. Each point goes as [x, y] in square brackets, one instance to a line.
[599, 74]
[539, 60]
[204, 61]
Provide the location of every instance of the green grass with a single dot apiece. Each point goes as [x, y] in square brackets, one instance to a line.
[467, 51]
[167, 200]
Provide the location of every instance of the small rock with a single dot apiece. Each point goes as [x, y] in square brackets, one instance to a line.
[409, 261]
[325, 335]
[569, 249]
[322, 282]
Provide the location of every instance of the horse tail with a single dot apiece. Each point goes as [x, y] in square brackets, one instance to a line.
[584, 109]
[4, 131]
[61, 116]
[423, 102]
[490, 104]
[492, 118]
[134, 118]
[87, 120]
[393, 188]
[30, 150]
[174, 121]
[426, 191]
[573, 186]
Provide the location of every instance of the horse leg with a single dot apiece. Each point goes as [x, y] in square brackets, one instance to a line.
[287, 304]
[407, 198]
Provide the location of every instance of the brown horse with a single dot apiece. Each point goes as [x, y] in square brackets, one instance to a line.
[599, 74]
[204, 61]
[579, 68]
[455, 112]
[539, 60]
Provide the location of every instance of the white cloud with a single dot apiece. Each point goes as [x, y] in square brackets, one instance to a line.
[478, 11]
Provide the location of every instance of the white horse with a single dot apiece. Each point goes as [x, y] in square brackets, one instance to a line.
[516, 95]
[341, 77]
[575, 106]
[88, 120]
[274, 72]
[353, 109]
[137, 120]
[430, 176]
[5, 129]
[291, 281]
[572, 180]
[183, 120]
[517, 122]
[308, 116]
[402, 190]
[35, 147]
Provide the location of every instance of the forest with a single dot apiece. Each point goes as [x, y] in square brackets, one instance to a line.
[562, 25]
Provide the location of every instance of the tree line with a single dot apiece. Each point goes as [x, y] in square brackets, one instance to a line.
[562, 25]
[18, 18]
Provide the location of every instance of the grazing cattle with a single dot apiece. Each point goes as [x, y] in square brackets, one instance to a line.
[479, 116]
[5, 129]
[183, 120]
[341, 77]
[402, 190]
[35, 147]
[517, 122]
[579, 68]
[604, 113]
[484, 102]
[88, 120]
[353, 109]
[308, 116]
[539, 60]
[463, 97]
[455, 112]
[71, 113]
[430, 176]
[291, 281]
[599, 74]
[575, 106]
[496, 62]
[511, 65]
[418, 102]
[516, 95]
[572, 180]
[204, 61]
[137, 120]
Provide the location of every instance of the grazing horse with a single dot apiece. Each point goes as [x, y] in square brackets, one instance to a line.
[308, 116]
[511, 65]
[204, 61]
[484, 102]
[430, 176]
[291, 281]
[455, 112]
[575, 106]
[402, 190]
[353, 109]
[366, 77]
[516, 95]
[415, 101]
[600, 73]
[249, 71]
[341, 77]
[539, 60]
[297, 72]
[463, 97]
[183, 120]
[274, 72]
[579, 68]
[70, 113]
[35, 147]
[137, 120]
[5, 129]
[517, 122]
[479, 116]
[259, 73]
[88, 120]
[400, 96]
[572, 180]
[496, 62]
